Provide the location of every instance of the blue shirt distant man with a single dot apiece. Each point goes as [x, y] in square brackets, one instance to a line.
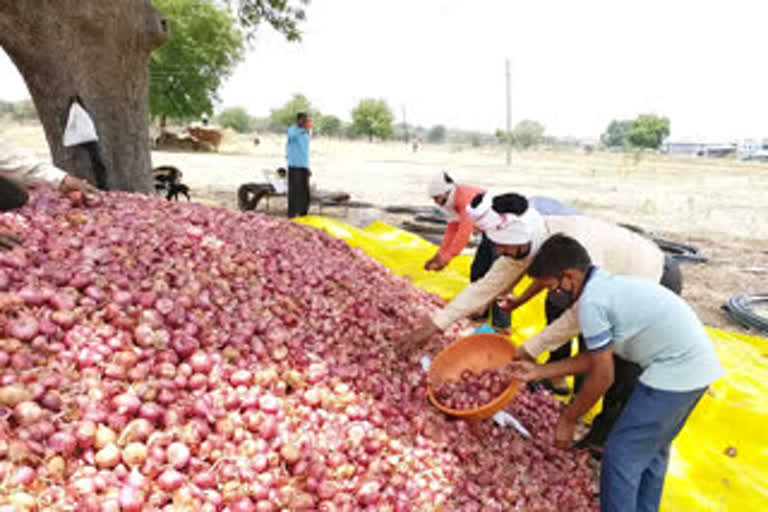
[297, 157]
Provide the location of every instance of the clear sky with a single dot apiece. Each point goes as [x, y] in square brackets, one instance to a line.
[575, 64]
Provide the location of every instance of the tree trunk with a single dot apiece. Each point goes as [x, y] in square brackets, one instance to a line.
[100, 51]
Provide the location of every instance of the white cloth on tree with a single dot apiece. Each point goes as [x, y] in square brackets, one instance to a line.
[80, 128]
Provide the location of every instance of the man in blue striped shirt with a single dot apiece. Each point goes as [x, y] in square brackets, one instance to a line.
[644, 323]
[297, 156]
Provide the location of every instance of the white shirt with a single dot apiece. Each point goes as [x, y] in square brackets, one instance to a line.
[27, 168]
[279, 184]
[612, 247]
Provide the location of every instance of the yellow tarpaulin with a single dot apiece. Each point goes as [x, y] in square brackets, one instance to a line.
[720, 460]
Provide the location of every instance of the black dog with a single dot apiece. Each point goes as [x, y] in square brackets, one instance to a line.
[175, 189]
[168, 179]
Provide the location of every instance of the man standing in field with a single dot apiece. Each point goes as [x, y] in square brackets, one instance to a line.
[297, 156]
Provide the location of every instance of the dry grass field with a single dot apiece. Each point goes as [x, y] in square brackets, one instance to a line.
[720, 205]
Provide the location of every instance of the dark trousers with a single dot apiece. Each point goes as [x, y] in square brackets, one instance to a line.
[298, 191]
[12, 194]
[97, 164]
[485, 255]
[637, 451]
[625, 372]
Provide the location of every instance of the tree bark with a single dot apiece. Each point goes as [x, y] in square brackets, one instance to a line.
[100, 51]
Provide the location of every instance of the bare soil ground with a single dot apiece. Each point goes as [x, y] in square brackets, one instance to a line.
[719, 205]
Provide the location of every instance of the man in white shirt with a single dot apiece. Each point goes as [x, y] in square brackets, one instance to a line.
[18, 169]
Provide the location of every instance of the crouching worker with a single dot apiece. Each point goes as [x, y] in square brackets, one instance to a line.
[641, 322]
[518, 231]
[18, 170]
[453, 199]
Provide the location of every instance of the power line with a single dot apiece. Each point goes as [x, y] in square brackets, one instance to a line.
[509, 115]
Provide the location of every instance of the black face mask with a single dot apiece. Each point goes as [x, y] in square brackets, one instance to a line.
[560, 297]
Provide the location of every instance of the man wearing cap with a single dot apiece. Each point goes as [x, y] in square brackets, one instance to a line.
[518, 231]
[297, 156]
[453, 199]
[19, 169]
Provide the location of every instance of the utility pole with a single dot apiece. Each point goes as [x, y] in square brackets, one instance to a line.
[405, 126]
[509, 115]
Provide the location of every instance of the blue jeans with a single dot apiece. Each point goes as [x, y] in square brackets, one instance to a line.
[637, 449]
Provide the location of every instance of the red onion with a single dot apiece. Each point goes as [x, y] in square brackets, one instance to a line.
[24, 328]
[30, 295]
[13, 394]
[137, 430]
[26, 413]
[84, 486]
[51, 401]
[240, 378]
[239, 374]
[85, 433]
[473, 390]
[108, 457]
[104, 436]
[63, 443]
[205, 480]
[131, 499]
[243, 505]
[23, 476]
[327, 490]
[134, 454]
[200, 362]
[150, 411]
[290, 453]
[170, 480]
[126, 403]
[178, 455]
[269, 403]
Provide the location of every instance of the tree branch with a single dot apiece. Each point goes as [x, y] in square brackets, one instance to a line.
[14, 35]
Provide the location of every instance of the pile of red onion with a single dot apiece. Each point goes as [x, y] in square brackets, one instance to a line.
[473, 390]
[166, 356]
